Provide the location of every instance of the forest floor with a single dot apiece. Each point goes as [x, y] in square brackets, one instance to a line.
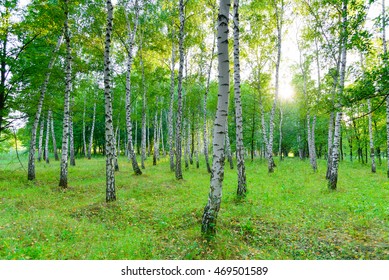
[289, 214]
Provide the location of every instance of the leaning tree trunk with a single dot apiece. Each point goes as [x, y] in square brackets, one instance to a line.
[40, 142]
[31, 155]
[170, 115]
[130, 43]
[211, 210]
[56, 157]
[63, 180]
[109, 133]
[47, 138]
[92, 131]
[333, 178]
[241, 190]
[178, 168]
[205, 134]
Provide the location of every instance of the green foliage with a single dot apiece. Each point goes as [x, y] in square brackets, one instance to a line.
[287, 215]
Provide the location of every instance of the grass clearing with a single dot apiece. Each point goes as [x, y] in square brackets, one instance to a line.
[286, 215]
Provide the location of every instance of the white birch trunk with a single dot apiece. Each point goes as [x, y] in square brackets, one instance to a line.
[155, 150]
[333, 178]
[161, 135]
[130, 44]
[205, 134]
[63, 180]
[178, 168]
[211, 210]
[84, 129]
[46, 153]
[228, 151]
[109, 133]
[170, 115]
[71, 135]
[40, 142]
[143, 140]
[56, 157]
[280, 132]
[384, 50]
[371, 140]
[31, 155]
[92, 131]
[241, 170]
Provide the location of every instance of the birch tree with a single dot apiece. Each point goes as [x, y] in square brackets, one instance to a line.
[333, 176]
[109, 132]
[31, 154]
[241, 190]
[63, 179]
[178, 150]
[92, 131]
[171, 104]
[211, 210]
[131, 32]
[47, 139]
[56, 157]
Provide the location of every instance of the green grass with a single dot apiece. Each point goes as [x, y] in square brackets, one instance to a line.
[286, 215]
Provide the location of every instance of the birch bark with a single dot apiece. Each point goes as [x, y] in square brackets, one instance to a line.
[211, 210]
[170, 115]
[56, 157]
[40, 142]
[63, 179]
[47, 138]
[92, 131]
[109, 133]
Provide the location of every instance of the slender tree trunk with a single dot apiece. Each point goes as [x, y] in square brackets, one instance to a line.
[333, 178]
[228, 151]
[71, 135]
[40, 142]
[205, 134]
[384, 50]
[56, 157]
[181, 34]
[280, 132]
[155, 138]
[192, 141]
[148, 136]
[109, 133]
[198, 148]
[170, 115]
[31, 155]
[143, 141]
[84, 130]
[161, 135]
[313, 146]
[47, 138]
[279, 18]
[130, 44]
[211, 210]
[241, 170]
[63, 180]
[92, 131]
[187, 146]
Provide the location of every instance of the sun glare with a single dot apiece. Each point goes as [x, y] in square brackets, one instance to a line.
[286, 92]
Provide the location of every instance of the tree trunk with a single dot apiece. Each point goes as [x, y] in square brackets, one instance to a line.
[130, 44]
[198, 148]
[71, 135]
[229, 155]
[383, 20]
[109, 133]
[279, 18]
[143, 141]
[333, 178]
[40, 142]
[155, 139]
[205, 134]
[181, 34]
[63, 180]
[241, 190]
[187, 145]
[170, 115]
[56, 157]
[47, 138]
[31, 155]
[211, 210]
[84, 129]
[280, 132]
[92, 131]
